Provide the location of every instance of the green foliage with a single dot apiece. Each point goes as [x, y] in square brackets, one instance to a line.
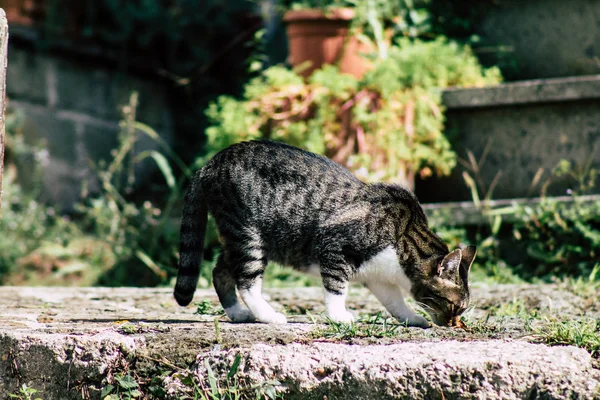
[229, 386]
[25, 393]
[37, 244]
[401, 17]
[387, 126]
[553, 238]
[559, 238]
[206, 307]
[277, 276]
[433, 64]
[126, 387]
[112, 240]
[584, 333]
[141, 237]
[514, 308]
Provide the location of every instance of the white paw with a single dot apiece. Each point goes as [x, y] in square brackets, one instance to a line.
[414, 320]
[239, 314]
[273, 318]
[342, 316]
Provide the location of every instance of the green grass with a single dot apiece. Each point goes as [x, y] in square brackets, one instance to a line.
[374, 326]
[514, 308]
[584, 333]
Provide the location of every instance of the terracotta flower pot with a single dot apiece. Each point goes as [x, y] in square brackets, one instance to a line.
[323, 38]
[23, 12]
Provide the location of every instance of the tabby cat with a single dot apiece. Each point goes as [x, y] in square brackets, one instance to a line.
[274, 202]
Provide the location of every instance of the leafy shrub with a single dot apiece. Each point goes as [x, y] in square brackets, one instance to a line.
[387, 126]
[543, 240]
[559, 238]
[112, 240]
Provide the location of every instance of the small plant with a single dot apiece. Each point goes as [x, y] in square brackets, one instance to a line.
[206, 307]
[25, 393]
[37, 244]
[554, 238]
[126, 388]
[277, 276]
[128, 329]
[482, 325]
[514, 308]
[230, 387]
[585, 287]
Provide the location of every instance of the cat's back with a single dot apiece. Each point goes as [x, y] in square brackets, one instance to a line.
[275, 164]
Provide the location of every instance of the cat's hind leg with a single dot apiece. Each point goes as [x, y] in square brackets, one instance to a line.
[251, 293]
[225, 287]
[249, 267]
[336, 283]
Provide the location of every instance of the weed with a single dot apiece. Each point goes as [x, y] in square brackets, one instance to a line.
[277, 276]
[25, 393]
[584, 333]
[128, 329]
[206, 307]
[140, 235]
[126, 388]
[585, 287]
[218, 336]
[230, 387]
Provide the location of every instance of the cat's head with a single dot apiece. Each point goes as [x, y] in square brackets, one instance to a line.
[444, 289]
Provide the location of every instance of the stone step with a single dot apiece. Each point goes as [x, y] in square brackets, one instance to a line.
[73, 343]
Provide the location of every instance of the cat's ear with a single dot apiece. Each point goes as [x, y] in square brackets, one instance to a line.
[449, 266]
[468, 255]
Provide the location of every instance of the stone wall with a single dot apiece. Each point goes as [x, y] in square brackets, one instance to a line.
[529, 125]
[547, 38]
[75, 106]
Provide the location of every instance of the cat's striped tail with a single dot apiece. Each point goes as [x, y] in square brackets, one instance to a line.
[191, 247]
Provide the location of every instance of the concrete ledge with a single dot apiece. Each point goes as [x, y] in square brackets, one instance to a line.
[436, 370]
[73, 343]
[533, 91]
[468, 213]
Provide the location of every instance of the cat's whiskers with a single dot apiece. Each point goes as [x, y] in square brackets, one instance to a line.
[423, 305]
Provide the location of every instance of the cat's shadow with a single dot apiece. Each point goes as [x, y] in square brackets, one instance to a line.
[171, 321]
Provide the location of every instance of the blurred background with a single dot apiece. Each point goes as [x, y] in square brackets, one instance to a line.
[488, 110]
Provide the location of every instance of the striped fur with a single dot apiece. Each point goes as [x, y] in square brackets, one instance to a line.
[274, 202]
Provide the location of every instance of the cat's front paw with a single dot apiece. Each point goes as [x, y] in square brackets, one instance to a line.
[342, 316]
[274, 318]
[415, 321]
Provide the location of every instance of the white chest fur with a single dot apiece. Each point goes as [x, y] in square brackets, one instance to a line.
[384, 267]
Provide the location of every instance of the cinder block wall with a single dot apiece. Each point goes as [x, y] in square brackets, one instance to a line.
[546, 38]
[74, 106]
[529, 125]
